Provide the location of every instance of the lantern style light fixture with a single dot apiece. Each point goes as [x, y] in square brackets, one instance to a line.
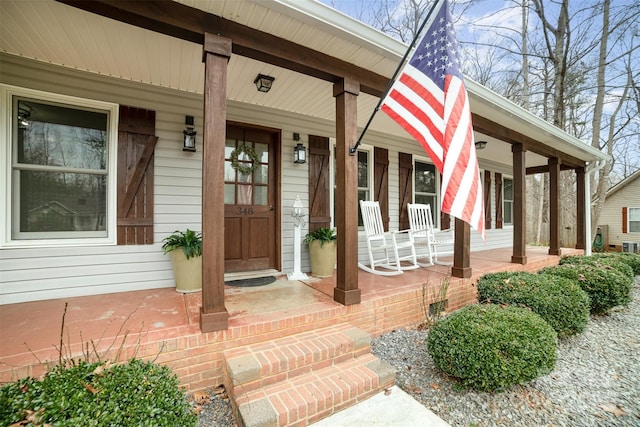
[299, 152]
[263, 83]
[480, 145]
[189, 143]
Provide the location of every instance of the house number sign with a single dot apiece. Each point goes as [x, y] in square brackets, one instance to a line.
[245, 211]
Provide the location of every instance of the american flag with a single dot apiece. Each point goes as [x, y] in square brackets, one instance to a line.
[429, 100]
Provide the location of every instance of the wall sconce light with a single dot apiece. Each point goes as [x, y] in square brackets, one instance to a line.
[189, 143]
[480, 145]
[263, 83]
[299, 152]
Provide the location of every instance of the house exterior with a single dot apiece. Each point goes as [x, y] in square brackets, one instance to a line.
[620, 215]
[95, 96]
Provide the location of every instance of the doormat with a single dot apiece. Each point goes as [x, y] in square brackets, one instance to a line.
[247, 283]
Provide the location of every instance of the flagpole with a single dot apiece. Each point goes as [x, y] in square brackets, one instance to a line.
[352, 150]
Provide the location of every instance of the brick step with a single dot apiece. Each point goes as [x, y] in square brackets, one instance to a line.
[258, 365]
[310, 397]
[302, 378]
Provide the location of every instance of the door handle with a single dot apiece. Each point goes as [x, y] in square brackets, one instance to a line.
[271, 207]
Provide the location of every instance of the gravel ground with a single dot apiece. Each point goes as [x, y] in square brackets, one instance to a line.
[596, 381]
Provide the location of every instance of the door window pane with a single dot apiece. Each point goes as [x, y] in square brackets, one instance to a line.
[262, 152]
[261, 193]
[244, 194]
[230, 194]
[261, 174]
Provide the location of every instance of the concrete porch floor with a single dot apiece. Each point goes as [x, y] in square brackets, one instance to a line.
[163, 324]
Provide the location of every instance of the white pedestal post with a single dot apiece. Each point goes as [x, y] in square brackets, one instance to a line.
[298, 222]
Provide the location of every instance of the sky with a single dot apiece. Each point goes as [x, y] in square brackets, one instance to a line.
[484, 25]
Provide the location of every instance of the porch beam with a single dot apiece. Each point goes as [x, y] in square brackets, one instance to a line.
[580, 212]
[519, 209]
[462, 250]
[545, 169]
[495, 130]
[554, 206]
[216, 54]
[191, 24]
[346, 291]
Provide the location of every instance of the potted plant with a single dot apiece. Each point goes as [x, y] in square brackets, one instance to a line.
[186, 259]
[322, 249]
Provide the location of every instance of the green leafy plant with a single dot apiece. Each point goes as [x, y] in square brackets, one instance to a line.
[136, 393]
[558, 300]
[488, 346]
[606, 286]
[190, 241]
[323, 235]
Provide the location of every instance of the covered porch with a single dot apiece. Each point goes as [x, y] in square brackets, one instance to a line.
[163, 325]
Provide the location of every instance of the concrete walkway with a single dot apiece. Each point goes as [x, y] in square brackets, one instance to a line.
[396, 409]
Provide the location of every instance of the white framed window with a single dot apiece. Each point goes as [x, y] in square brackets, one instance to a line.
[425, 186]
[507, 200]
[634, 220]
[60, 169]
[365, 178]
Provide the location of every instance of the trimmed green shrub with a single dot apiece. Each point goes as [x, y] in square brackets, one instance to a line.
[607, 287]
[558, 300]
[604, 261]
[488, 346]
[632, 260]
[133, 394]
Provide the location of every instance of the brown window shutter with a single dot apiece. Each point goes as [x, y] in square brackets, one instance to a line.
[405, 190]
[487, 200]
[445, 221]
[445, 218]
[136, 145]
[381, 182]
[319, 191]
[499, 218]
[624, 220]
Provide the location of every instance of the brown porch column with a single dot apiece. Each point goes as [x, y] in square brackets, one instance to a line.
[462, 250]
[554, 206]
[346, 291]
[581, 236]
[519, 210]
[213, 314]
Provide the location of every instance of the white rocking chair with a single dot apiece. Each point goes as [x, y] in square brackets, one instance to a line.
[380, 241]
[423, 235]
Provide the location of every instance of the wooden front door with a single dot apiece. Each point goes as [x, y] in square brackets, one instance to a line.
[250, 197]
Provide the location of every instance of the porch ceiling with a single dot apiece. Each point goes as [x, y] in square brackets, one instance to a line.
[60, 34]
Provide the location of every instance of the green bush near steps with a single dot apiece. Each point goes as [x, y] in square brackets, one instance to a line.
[606, 262]
[558, 300]
[488, 346]
[606, 286]
[133, 394]
[617, 260]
